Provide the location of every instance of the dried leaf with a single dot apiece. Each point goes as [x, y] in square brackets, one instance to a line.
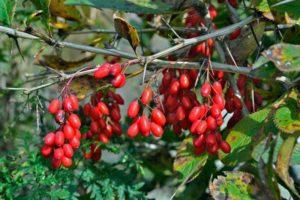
[127, 31]
[56, 62]
[59, 9]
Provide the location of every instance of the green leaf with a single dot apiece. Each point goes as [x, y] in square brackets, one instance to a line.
[287, 117]
[7, 9]
[236, 185]
[288, 7]
[187, 164]
[59, 194]
[43, 5]
[240, 137]
[286, 57]
[139, 6]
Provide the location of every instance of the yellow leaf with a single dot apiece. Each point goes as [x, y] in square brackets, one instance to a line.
[56, 62]
[127, 31]
[59, 9]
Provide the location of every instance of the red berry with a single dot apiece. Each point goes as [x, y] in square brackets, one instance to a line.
[201, 128]
[46, 150]
[158, 117]
[194, 126]
[103, 108]
[237, 103]
[87, 109]
[94, 127]
[213, 150]
[59, 138]
[133, 130]
[74, 121]
[210, 140]
[197, 112]
[186, 102]
[211, 123]
[184, 81]
[49, 139]
[205, 89]
[74, 102]
[58, 153]
[133, 109]
[55, 163]
[146, 96]
[68, 150]
[219, 100]
[235, 34]
[68, 131]
[75, 142]
[200, 150]
[199, 141]
[212, 12]
[119, 81]
[215, 111]
[67, 105]
[115, 69]
[225, 147]
[66, 162]
[219, 120]
[217, 87]
[116, 128]
[118, 99]
[144, 124]
[60, 116]
[180, 113]
[115, 115]
[233, 3]
[54, 106]
[174, 87]
[102, 71]
[156, 129]
[103, 138]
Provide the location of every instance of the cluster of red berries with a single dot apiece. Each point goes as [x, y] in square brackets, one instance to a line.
[62, 143]
[113, 72]
[104, 114]
[234, 104]
[142, 124]
[206, 119]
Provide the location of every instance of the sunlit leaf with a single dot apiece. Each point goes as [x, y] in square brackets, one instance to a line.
[187, 164]
[125, 30]
[7, 9]
[59, 9]
[286, 57]
[59, 63]
[236, 185]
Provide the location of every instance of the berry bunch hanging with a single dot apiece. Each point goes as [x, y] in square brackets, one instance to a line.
[61, 144]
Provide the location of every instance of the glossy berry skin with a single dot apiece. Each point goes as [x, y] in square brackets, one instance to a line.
[158, 117]
[156, 129]
[211, 123]
[68, 131]
[199, 141]
[119, 81]
[102, 71]
[115, 69]
[54, 106]
[49, 139]
[46, 150]
[133, 130]
[74, 102]
[197, 113]
[180, 113]
[194, 126]
[174, 87]
[217, 87]
[210, 140]
[146, 96]
[219, 100]
[133, 109]
[184, 81]
[60, 116]
[74, 121]
[75, 142]
[68, 150]
[144, 124]
[215, 111]
[205, 89]
[67, 105]
[66, 162]
[87, 109]
[58, 153]
[225, 147]
[59, 138]
[201, 128]
[103, 108]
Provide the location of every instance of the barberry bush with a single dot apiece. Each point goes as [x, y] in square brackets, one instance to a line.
[165, 99]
